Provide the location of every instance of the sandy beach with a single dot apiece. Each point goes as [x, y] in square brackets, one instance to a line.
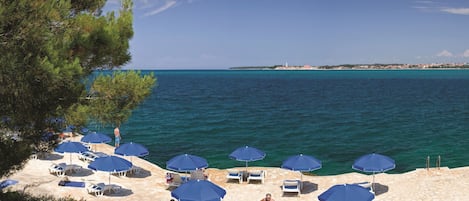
[150, 184]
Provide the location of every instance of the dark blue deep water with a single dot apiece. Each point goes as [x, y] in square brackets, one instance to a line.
[335, 116]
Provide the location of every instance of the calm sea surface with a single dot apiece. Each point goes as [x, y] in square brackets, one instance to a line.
[335, 116]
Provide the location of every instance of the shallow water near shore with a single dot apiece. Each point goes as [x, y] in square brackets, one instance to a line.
[335, 116]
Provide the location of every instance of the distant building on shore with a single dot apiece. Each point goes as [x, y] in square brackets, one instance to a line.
[304, 67]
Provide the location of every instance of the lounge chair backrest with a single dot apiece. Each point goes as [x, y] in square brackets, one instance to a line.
[55, 166]
[256, 173]
[290, 183]
[234, 172]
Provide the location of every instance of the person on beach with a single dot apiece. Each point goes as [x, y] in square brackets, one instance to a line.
[117, 136]
[268, 197]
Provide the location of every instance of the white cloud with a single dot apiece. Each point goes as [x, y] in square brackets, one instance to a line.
[167, 5]
[457, 11]
[445, 53]
[154, 7]
[147, 7]
[466, 53]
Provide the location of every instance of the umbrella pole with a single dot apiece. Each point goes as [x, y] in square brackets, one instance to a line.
[109, 178]
[301, 180]
[245, 175]
[70, 158]
[372, 184]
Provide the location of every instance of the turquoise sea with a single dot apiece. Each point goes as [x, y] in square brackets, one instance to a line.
[335, 116]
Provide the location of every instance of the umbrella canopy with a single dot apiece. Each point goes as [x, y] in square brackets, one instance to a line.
[374, 163]
[198, 190]
[96, 138]
[302, 163]
[346, 192]
[186, 162]
[247, 154]
[110, 164]
[131, 149]
[68, 129]
[70, 147]
[84, 130]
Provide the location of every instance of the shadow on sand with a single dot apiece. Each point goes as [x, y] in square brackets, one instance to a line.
[309, 187]
[171, 188]
[380, 189]
[121, 193]
[83, 172]
[142, 173]
[49, 156]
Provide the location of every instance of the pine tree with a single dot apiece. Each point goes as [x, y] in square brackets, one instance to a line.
[47, 49]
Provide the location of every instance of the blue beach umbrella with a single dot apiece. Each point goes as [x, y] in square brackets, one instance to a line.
[70, 147]
[96, 138]
[247, 154]
[131, 149]
[302, 163]
[68, 129]
[186, 163]
[84, 130]
[111, 164]
[199, 190]
[374, 163]
[346, 192]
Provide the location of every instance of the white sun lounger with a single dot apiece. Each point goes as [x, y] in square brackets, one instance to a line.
[100, 188]
[235, 174]
[256, 175]
[61, 169]
[291, 186]
[87, 156]
[57, 169]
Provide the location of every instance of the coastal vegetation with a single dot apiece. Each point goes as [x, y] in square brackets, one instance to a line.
[111, 98]
[49, 51]
[376, 66]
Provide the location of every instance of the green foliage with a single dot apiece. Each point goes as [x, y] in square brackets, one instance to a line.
[116, 95]
[48, 48]
[12, 154]
[77, 115]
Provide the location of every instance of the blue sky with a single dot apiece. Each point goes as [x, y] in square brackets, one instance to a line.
[218, 34]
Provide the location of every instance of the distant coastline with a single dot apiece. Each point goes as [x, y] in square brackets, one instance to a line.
[359, 67]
